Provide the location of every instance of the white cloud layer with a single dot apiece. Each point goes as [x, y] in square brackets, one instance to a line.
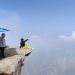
[51, 56]
[68, 38]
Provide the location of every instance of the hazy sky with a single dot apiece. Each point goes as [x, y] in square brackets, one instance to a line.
[50, 26]
[38, 18]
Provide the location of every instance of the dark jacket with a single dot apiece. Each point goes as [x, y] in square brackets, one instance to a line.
[22, 43]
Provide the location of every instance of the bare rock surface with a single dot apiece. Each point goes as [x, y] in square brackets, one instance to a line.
[12, 64]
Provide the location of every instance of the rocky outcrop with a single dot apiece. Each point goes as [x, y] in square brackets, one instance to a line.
[12, 64]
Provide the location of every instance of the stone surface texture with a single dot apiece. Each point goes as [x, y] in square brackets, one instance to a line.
[13, 62]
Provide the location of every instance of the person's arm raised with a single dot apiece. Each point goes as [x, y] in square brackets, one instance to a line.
[26, 40]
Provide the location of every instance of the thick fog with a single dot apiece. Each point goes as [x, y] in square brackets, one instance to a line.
[51, 57]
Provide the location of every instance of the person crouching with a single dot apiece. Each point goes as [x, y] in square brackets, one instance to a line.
[22, 43]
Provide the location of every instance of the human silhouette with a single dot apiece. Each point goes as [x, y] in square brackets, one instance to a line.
[2, 45]
[22, 43]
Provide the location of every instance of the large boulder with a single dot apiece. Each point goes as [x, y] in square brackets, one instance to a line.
[11, 65]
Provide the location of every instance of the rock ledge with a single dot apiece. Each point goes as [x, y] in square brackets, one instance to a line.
[12, 64]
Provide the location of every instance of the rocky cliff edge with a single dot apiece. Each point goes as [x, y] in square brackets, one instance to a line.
[13, 62]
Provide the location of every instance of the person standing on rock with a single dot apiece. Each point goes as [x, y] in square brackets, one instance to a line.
[2, 45]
